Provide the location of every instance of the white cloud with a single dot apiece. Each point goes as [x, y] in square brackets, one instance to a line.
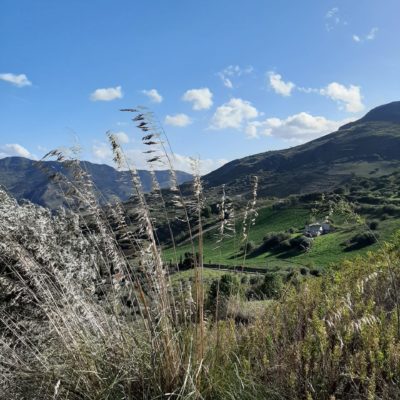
[226, 81]
[232, 114]
[332, 13]
[153, 95]
[17, 80]
[349, 96]
[102, 153]
[332, 18]
[14, 149]
[107, 94]
[298, 128]
[180, 120]
[279, 86]
[183, 163]
[370, 36]
[122, 137]
[200, 98]
[233, 71]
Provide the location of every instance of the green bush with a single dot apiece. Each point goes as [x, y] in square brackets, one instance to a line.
[226, 286]
[272, 286]
[363, 239]
[373, 225]
[248, 247]
[301, 243]
[273, 240]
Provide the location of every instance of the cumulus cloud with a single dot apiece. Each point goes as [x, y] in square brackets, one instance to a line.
[349, 96]
[107, 94]
[233, 71]
[370, 36]
[122, 137]
[184, 163]
[17, 80]
[201, 99]
[102, 153]
[279, 86]
[153, 95]
[180, 120]
[233, 114]
[298, 128]
[14, 149]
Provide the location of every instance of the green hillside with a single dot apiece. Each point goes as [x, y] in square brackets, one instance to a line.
[367, 147]
[371, 207]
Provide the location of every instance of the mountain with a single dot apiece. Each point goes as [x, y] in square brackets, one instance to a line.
[28, 179]
[369, 147]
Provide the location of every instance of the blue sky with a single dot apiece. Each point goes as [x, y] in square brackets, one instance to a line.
[226, 78]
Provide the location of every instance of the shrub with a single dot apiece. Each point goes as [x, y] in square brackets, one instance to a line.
[272, 286]
[273, 240]
[301, 243]
[373, 225]
[315, 272]
[248, 247]
[255, 280]
[188, 261]
[363, 239]
[224, 287]
[285, 245]
[304, 271]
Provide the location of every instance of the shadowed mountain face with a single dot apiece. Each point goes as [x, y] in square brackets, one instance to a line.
[27, 179]
[369, 147]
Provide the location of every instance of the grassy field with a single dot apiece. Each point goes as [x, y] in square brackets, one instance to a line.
[326, 250]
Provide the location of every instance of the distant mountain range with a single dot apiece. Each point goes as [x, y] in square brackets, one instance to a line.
[369, 147]
[26, 179]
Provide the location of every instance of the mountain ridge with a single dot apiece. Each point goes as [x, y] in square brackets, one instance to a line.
[370, 144]
[25, 179]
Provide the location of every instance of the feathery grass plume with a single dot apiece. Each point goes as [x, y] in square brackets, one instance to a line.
[249, 218]
[154, 137]
[157, 157]
[227, 229]
[161, 307]
[198, 205]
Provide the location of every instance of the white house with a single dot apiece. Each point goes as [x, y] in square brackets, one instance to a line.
[314, 230]
[317, 229]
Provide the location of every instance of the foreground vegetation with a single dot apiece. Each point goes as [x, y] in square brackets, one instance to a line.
[88, 309]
